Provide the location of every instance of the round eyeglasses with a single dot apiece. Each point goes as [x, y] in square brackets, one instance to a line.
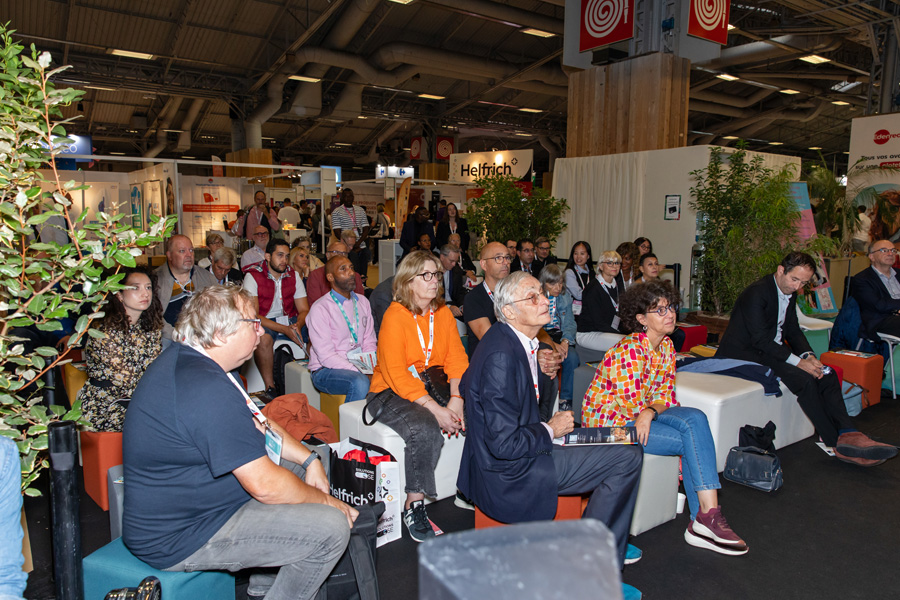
[664, 310]
[428, 275]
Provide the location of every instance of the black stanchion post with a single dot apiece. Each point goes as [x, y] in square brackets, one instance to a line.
[65, 511]
[51, 385]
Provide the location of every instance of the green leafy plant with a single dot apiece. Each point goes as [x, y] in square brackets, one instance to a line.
[747, 223]
[504, 212]
[43, 283]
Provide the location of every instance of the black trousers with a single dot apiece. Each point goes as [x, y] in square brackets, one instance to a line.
[820, 399]
[611, 473]
[890, 325]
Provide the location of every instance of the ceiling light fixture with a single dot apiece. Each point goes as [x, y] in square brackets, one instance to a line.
[130, 54]
[815, 59]
[362, 117]
[531, 110]
[776, 143]
[431, 97]
[537, 32]
[342, 144]
[402, 1]
[117, 153]
[189, 157]
[729, 137]
[177, 131]
[305, 78]
[727, 77]
[789, 91]
[101, 88]
[840, 103]
[731, 27]
[524, 134]
[815, 147]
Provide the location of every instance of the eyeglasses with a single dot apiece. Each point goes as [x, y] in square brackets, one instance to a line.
[428, 275]
[336, 253]
[262, 234]
[535, 299]
[664, 310]
[612, 262]
[543, 247]
[500, 258]
[886, 250]
[257, 323]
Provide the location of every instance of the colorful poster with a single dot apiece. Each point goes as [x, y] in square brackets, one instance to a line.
[874, 177]
[605, 22]
[206, 203]
[152, 200]
[137, 207]
[821, 298]
[709, 20]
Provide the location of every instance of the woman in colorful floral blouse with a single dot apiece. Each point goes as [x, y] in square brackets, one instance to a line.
[133, 327]
[635, 386]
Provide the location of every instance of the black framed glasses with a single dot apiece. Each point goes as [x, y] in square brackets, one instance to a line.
[886, 250]
[535, 299]
[257, 323]
[500, 258]
[664, 310]
[612, 262]
[429, 275]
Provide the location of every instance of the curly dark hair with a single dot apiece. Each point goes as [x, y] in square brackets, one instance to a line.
[643, 297]
[116, 317]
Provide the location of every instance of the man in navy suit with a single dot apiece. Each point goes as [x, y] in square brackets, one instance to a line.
[764, 329]
[510, 467]
[877, 291]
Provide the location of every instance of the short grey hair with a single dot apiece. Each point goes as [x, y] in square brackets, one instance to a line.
[225, 255]
[550, 275]
[212, 315]
[212, 238]
[505, 294]
[346, 234]
[448, 249]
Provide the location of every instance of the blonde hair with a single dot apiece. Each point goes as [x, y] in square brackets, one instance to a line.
[295, 252]
[408, 269]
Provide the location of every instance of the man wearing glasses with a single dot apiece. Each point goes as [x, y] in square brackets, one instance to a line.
[524, 260]
[178, 280]
[877, 290]
[257, 253]
[764, 329]
[317, 286]
[542, 256]
[258, 214]
[478, 305]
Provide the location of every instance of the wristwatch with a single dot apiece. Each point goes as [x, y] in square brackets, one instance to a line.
[655, 412]
[309, 460]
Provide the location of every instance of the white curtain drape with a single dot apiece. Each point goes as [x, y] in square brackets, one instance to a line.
[605, 196]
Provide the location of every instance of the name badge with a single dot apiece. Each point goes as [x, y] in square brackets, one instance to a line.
[415, 373]
[615, 322]
[283, 320]
[273, 445]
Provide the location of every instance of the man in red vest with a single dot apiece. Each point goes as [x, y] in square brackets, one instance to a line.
[280, 300]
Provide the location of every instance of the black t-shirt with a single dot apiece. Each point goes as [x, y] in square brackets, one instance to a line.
[477, 305]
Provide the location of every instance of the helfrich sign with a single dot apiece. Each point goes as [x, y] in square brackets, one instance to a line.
[473, 165]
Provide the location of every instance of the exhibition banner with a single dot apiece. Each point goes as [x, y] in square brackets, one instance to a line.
[874, 177]
[470, 166]
[821, 298]
[709, 20]
[605, 22]
[206, 203]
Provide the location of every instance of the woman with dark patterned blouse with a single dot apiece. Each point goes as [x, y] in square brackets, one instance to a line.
[133, 327]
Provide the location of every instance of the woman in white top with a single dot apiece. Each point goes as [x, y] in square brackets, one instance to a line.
[598, 328]
[579, 271]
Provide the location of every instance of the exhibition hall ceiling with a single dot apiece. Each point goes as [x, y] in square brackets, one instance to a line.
[350, 82]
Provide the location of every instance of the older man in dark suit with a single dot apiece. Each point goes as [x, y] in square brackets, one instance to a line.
[877, 291]
[764, 329]
[510, 467]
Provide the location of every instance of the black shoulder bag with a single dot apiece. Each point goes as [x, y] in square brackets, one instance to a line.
[436, 384]
[354, 576]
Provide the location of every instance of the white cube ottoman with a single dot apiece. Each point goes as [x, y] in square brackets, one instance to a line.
[657, 493]
[298, 381]
[381, 435]
[730, 403]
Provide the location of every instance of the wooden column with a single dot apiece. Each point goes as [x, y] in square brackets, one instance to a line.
[629, 106]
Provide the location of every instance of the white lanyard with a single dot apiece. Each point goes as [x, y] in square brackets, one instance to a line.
[253, 408]
[578, 277]
[453, 228]
[488, 290]
[608, 293]
[426, 351]
[532, 364]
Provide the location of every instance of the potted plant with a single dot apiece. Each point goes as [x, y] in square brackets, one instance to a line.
[504, 212]
[44, 282]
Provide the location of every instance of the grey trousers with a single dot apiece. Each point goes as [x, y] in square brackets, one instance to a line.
[304, 540]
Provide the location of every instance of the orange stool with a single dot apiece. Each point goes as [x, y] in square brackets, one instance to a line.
[862, 369]
[567, 508]
[100, 450]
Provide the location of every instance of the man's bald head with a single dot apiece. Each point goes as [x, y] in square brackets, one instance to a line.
[491, 249]
[340, 274]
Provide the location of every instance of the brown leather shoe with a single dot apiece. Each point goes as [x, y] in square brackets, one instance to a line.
[862, 462]
[856, 444]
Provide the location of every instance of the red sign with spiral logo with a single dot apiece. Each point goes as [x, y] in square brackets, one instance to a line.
[605, 22]
[709, 20]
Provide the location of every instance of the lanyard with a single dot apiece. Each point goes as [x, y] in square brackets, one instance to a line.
[532, 364]
[353, 331]
[253, 408]
[426, 351]
[608, 293]
[488, 290]
[578, 277]
[352, 216]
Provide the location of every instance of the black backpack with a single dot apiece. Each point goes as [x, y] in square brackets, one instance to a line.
[354, 576]
[283, 357]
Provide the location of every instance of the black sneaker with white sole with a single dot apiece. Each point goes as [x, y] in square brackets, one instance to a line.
[462, 502]
[417, 523]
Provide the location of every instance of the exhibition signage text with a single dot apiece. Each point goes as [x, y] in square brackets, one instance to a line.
[472, 165]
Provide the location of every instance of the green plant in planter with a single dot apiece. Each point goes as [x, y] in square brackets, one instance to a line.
[747, 223]
[503, 212]
[42, 283]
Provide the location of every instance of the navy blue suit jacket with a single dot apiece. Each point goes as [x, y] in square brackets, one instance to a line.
[875, 302]
[507, 468]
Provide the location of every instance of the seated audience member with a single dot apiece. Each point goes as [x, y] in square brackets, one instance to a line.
[289, 214]
[425, 243]
[511, 246]
[629, 253]
[280, 298]
[406, 347]
[178, 280]
[299, 261]
[648, 267]
[542, 255]
[561, 329]
[877, 290]
[214, 241]
[465, 261]
[449, 223]
[510, 467]
[133, 326]
[454, 280]
[348, 236]
[256, 253]
[258, 214]
[598, 327]
[317, 285]
[644, 246]
[415, 227]
[635, 386]
[222, 267]
[306, 244]
[232, 223]
[478, 306]
[190, 435]
[340, 326]
[380, 299]
[579, 272]
[524, 260]
[764, 329]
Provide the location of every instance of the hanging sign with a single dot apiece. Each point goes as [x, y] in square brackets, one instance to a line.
[709, 20]
[444, 147]
[472, 165]
[383, 171]
[415, 148]
[605, 22]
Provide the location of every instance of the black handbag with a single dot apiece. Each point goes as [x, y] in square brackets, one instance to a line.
[436, 384]
[354, 576]
[758, 437]
[753, 467]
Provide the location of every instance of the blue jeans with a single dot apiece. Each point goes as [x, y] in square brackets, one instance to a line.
[567, 383]
[12, 577]
[684, 432]
[341, 382]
